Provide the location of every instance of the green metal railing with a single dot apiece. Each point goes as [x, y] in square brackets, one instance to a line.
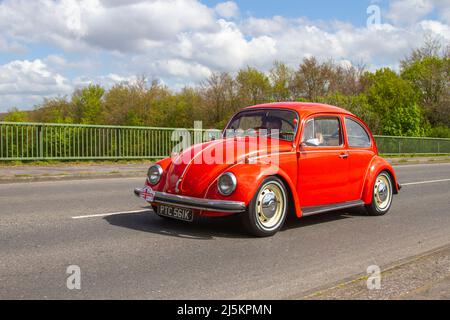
[43, 141]
[412, 145]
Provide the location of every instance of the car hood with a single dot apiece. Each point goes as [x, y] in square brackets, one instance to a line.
[195, 168]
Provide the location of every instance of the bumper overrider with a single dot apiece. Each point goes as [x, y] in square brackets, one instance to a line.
[195, 203]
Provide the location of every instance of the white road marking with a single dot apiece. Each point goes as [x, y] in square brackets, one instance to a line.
[412, 165]
[142, 211]
[423, 182]
[109, 214]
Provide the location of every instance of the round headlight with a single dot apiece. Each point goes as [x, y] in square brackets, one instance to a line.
[154, 174]
[226, 184]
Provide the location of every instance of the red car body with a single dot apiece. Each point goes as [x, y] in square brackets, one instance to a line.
[317, 179]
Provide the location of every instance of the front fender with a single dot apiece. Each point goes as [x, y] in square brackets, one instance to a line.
[249, 177]
[164, 163]
[377, 165]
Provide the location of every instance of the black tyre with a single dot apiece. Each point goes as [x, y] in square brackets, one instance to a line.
[268, 209]
[382, 194]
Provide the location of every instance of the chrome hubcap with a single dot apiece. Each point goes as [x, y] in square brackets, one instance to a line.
[382, 192]
[271, 205]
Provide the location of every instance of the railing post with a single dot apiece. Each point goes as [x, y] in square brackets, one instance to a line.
[41, 142]
[399, 146]
[120, 143]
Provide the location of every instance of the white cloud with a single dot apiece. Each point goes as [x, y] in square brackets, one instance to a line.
[183, 41]
[409, 11]
[173, 70]
[23, 79]
[227, 9]
[437, 28]
[106, 81]
[297, 38]
[30, 77]
[257, 27]
[11, 46]
[25, 83]
[61, 64]
[443, 9]
[182, 69]
[72, 24]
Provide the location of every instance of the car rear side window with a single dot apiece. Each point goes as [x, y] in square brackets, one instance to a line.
[356, 134]
[322, 132]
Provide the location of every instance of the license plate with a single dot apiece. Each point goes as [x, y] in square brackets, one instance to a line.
[184, 214]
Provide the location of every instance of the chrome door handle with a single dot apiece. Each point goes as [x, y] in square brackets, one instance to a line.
[343, 156]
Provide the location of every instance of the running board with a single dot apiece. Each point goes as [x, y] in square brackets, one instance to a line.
[309, 211]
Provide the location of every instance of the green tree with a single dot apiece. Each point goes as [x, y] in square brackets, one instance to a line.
[312, 79]
[54, 110]
[88, 104]
[439, 132]
[356, 104]
[346, 79]
[281, 77]
[416, 102]
[189, 100]
[15, 115]
[218, 93]
[253, 86]
[430, 76]
[396, 102]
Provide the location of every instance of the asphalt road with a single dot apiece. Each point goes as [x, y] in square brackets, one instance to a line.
[139, 255]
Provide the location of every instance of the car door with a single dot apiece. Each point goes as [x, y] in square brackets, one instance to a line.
[361, 152]
[323, 162]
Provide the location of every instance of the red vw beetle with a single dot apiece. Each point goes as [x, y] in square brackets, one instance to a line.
[273, 160]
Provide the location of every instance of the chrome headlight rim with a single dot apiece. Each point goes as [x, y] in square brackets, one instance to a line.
[233, 181]
[157, 173]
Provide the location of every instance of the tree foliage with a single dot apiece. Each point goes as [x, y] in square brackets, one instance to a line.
[88, 104]
[427, 69]
[253, 86]
[15, 115]
[414, 101]
[396, 102]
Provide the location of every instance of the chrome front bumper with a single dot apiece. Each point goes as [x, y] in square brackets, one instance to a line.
[196, 203]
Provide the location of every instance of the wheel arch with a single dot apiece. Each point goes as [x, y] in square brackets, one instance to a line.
[250, 177]
[293, 200]
[377, 166]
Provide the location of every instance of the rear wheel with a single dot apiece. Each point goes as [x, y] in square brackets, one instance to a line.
[267, 210]
[381, 195]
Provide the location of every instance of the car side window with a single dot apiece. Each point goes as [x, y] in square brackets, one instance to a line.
[356, 134]
[322, 132]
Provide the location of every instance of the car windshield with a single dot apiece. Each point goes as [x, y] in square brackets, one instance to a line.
[279, 124]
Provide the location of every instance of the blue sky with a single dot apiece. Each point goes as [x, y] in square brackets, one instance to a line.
[48, 48]
[352, 11]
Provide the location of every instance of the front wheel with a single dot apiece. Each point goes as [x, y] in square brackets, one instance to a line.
[267, 210]
[381, 196]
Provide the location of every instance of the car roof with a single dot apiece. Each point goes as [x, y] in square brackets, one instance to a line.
[304, 109]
